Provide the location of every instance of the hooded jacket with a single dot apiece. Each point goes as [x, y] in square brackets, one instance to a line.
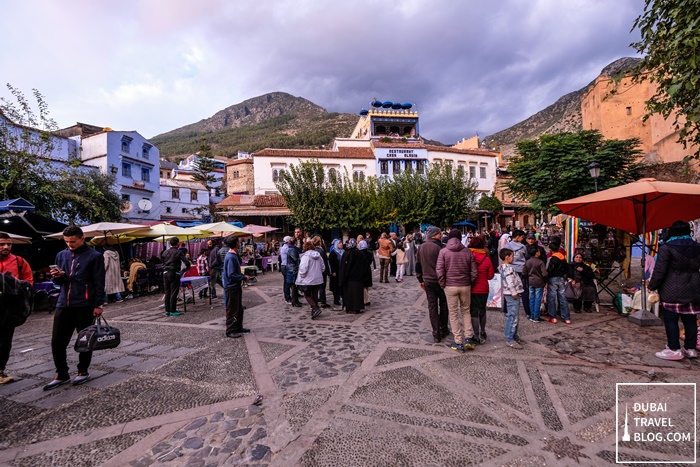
[455, 265]
[311, 268]
[519, 253]
[486, 271]
[557, 265]
[677, 272]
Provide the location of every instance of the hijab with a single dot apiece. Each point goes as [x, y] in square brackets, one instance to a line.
[335, 249]
[362, 245]
[351, 244]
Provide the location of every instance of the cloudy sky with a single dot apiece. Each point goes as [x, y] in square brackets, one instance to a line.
[156, 65]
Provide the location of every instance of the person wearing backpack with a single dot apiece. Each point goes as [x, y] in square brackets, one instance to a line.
[19, 269]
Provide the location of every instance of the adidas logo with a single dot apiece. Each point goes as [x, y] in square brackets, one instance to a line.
[83, 339]
[106, 338]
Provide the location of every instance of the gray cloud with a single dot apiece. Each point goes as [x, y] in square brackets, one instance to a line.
[157, 65]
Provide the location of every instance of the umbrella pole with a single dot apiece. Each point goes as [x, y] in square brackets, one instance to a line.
[643, 317]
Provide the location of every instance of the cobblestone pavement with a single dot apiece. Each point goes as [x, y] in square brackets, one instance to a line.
[354, 390]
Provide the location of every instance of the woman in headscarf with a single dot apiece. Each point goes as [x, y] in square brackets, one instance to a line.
[334, 264]
[354, 269]
[409, 248]
[362, 246]
[676, 276]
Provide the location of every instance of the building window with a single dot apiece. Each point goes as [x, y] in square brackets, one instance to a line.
[408, 166]
[126, 170]
[482, 172]
[145, 150]
[503, 196]
[175, 193]
[628, 110]
[126, 144]
[358, 175]
[420, 166]
[275, 175]
[472, 171]
[332, 174]
[235, 174]
[184, 210]
[217, 192]
[193, 195]
[384, 167]
[126, 197]
[168, 210]
[397, 167]
[145, 174]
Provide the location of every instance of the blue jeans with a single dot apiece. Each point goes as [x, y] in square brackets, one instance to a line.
[525, 296]
[555, 290]
[535, 301]
[512, 307]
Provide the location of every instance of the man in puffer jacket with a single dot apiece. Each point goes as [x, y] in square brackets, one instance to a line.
[310, 276]
[456, 272]
[426, 275]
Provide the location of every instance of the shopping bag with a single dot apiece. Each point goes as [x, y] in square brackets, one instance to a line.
[572, 292]
[98, 336]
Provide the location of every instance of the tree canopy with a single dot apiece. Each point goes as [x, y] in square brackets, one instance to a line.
[319, 201]
[68, 193]
[554, 167]
[204, 173]
[670, 42]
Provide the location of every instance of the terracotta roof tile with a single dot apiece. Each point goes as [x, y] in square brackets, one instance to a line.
[341, 153]
[240, 161]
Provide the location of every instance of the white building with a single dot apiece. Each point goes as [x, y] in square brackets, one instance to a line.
[188, 166]
[131, 158]
[181, 199]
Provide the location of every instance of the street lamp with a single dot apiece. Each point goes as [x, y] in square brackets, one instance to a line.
[594, 169]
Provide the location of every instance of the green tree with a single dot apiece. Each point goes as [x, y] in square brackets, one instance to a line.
[491, 204]
[204, 173]
[406, 194]
[554, 167]
[670, 41]
[84, 196]
[451, 195]
[303, 189]
[26, 145]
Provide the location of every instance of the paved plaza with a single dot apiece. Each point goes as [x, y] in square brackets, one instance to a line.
[350, 390]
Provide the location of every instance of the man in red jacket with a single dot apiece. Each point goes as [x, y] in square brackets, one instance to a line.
[20, 269]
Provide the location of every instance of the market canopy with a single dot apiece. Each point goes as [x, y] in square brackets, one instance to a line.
[17, 204]
[259, 229]
[29, 224]
[223, 229]
[19, 239]
[103, 229]
[168, 230]
[638, 207]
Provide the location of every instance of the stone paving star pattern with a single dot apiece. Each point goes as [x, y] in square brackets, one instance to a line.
[356, 390]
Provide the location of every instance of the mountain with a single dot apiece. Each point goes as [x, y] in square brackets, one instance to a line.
[274, 120]
[562, 116]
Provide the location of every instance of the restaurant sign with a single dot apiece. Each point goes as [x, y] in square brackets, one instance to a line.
[401, 153]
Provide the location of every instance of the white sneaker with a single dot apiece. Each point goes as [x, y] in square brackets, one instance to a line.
[689, 353]
[668, 354]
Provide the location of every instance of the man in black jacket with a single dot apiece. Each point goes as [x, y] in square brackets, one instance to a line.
[427, 276]
[173, 260]
[215, 267]
[80, 271]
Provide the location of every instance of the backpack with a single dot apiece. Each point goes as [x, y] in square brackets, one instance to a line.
[17, 300]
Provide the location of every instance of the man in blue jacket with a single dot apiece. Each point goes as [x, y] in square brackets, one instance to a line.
[80, 271]
[233, 279]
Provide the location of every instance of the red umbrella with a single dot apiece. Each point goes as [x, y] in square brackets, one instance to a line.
[638, 207]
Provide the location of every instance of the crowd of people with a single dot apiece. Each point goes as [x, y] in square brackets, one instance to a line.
[453, 269]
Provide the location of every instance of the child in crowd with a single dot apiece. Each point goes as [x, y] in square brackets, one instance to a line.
[536, 273]
[401, 261]
[512, 287]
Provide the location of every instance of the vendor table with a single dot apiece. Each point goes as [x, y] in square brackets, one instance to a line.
[195, 283]
[269, 261]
